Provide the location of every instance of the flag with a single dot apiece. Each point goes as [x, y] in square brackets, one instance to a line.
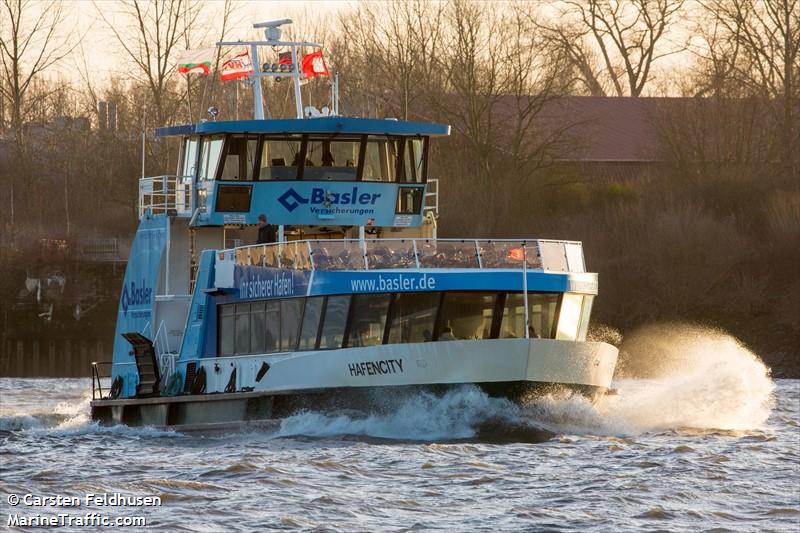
[285, 58]
[516, 254]
[239, 66]
[195, 61]
[314, 65]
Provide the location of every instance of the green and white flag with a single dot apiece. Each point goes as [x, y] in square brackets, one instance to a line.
[196, 61]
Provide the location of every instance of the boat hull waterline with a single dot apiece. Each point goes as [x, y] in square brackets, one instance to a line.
[370, 379]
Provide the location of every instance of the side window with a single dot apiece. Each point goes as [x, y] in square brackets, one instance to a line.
[368, 319]
[242, 329]
[334, 323]
[311, 316]
[412, 166]
[467, 315]
[273, 326]
[413, 317]
[226, 330]
[258, 327]
[291, 312]
[210, 150]
[189, 157]
[541, 313]
[280, 159]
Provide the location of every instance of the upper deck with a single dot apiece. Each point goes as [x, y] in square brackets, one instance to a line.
[336, 266]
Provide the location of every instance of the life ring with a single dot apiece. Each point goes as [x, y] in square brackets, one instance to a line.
[116, 388]
[199, 383]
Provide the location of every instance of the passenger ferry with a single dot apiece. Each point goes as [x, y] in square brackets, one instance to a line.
[357, 301]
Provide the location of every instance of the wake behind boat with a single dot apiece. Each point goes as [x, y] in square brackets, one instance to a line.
[357, 300]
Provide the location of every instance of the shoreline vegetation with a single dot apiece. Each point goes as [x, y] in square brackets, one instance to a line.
[690, 213]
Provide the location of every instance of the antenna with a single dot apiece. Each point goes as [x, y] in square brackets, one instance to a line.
[272, 32]
[272, 29]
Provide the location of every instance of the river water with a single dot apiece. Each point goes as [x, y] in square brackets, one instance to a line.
[707, 443]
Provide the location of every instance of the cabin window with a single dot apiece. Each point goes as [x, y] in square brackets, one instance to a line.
[368, 321]
[273, 339]
[409, 200]
[310, 327]
[541, 313]
[226, 330]
[569, 317]
[411, 169]
[332, 160]
[336, 309]
[467, 315]
[291, 313]
[380, 160]
[413, 317]
[239, 157]
[242, 329]
[258, 327]
[280, 159]
[189, 157]
[210, 150]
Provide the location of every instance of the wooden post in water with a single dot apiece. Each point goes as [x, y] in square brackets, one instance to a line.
[51, 359]
[36, 362]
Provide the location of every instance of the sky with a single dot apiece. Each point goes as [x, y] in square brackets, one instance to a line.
[106, 58]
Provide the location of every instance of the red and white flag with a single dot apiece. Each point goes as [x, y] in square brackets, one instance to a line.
[237, 67]
[313, 65]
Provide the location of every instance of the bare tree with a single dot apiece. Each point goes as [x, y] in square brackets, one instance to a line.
[389, 48]
[30, 42]
[155, 31]
[628, 36]
[762, 40]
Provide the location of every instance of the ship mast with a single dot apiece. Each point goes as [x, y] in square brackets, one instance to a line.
[272, 32]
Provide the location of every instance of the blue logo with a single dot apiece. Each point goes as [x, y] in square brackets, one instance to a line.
[134, 295]
[291, 199]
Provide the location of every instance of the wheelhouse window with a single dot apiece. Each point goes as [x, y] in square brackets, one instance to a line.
[541, 315]
[189, 157]
[380, 160]
[411, 169]
[467, 315]
[409, 200]
[210, 150]
[368, 320]
[329, 159]
[280, 159]
[413, 317]
[239, 157]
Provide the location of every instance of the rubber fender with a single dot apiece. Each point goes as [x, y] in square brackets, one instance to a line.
[262, 371]
[231, 386]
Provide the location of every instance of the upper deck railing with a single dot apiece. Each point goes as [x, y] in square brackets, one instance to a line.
[386, 254]
[165, 194]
